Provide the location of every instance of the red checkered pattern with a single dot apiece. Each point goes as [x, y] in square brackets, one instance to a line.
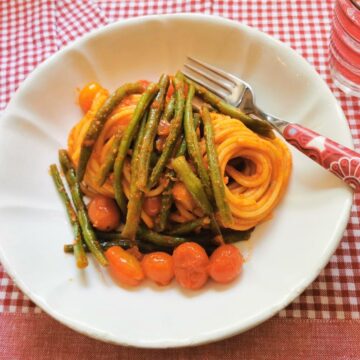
[76, 18]
[32, 30]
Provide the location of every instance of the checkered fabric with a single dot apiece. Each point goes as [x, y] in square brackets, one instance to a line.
[31, 30]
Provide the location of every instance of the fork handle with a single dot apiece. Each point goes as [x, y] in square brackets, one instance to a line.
[338, 159]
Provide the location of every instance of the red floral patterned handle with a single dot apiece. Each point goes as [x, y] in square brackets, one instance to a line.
[340, 160]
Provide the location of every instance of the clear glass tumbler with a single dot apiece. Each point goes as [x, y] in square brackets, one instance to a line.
[345, 46]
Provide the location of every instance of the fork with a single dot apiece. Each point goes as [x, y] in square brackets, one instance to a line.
[338, 159]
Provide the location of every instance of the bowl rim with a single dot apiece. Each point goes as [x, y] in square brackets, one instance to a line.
[236, 327]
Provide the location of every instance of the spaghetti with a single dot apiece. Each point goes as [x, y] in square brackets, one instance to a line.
[117, 122]
[253, 192]
[167, 181]
[255, 169]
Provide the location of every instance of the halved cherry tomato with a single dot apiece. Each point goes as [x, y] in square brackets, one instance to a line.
[225, 263]
[159, 143]
[186, 89]
[181, 194]
[190, 265]
[124, 266]
[152, 205]
[170, 91]
[104, 213]
[158, 267]
[163, 128]
[87, 95]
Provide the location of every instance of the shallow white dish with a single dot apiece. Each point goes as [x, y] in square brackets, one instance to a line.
[286, 253]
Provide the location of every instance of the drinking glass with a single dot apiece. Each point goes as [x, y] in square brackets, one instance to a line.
[345, 46]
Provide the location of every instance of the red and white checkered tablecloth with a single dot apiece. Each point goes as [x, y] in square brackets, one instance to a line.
[32, 30]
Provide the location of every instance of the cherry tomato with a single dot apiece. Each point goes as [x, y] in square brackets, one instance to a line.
[104, 213]
[152, 205]
[158, 267]
[190, 265]
[225, 264]
[169, 92]
[124, 266]
[87, 95]
[163, 128]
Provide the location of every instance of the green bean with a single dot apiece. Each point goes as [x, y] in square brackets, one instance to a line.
[80, 256]
[148, 247]
[175, 130]
[169, 108]
[147, 235]
[169, 243]
[86, 228]
[106, 236]
[135, 203]
[156, 109]
[137, 147]
[192, 183]
[197, 103]
[197, 118]
[166, 203]
[98, 123]
[136, 196]
[232, 236]
[166, 196]
[125, 244]
[159, 239]
[108, 164]
[214, 170]
[115, 238]
[144, 247]
[195, 188]
[215, 228]
[188, 227]
[125, 143]
[193, 146]
[261, 127]
[153, 159]
[168, 112]
[108, 239]
[182, 148]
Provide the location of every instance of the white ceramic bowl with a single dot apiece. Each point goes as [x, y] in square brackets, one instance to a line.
[286, 253]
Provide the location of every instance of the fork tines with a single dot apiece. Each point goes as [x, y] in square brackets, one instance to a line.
[218, 81]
